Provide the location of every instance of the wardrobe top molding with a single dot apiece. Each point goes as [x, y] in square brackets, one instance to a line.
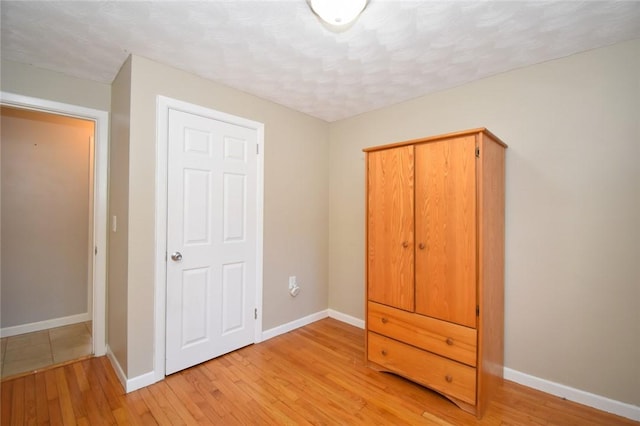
[437, 138]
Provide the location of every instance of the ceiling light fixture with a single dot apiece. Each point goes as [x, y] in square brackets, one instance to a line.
[338, 12]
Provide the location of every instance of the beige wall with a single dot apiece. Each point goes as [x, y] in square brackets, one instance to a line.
[45, 216]
[118, 256]
[573, 203]
[295, 211]
[27, 80]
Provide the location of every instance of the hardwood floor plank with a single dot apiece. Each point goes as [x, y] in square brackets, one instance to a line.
[380, 405]
[53, 401]
[81, 376]
[174, 402]
[140, 409]
[64, 397]
[75, 394]
[183, 391]
[159, 410]
[42, 406]
[287, 415]
[6, 395]
[100, 377]
[128, 409]
[247, 387]
[17, 403]
[98, 411]
[232, 399]
[104, 401]
[30, 410]
[315, 375]
[205, 393]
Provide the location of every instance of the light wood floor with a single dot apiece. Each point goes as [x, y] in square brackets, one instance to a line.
[313, 375]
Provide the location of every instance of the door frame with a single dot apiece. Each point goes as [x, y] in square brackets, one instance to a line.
[163, 105]
[99, 216]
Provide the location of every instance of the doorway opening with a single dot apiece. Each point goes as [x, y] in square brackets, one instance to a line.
[53, 233]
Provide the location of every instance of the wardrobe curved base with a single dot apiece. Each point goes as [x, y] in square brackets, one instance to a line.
[464, 406]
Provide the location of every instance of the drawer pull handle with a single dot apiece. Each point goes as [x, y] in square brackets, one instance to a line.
[449, 341]
[384, 320]
[383, 352]
[448, 378]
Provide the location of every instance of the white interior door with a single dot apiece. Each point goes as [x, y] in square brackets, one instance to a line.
[211, 239]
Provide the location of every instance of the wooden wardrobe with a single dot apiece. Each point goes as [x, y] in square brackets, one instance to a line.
[435, 263]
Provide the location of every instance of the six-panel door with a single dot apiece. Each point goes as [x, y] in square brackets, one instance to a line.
[211, 239]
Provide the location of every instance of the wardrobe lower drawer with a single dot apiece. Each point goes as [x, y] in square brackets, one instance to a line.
[431, 370]
[444, 338]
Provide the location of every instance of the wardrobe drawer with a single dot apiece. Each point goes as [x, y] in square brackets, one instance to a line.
[441, 374]
[441, 337]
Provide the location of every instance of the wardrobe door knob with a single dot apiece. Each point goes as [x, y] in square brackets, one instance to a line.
[421, 246]
[405, 244]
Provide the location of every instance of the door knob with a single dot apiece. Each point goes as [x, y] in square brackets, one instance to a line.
[176, 256]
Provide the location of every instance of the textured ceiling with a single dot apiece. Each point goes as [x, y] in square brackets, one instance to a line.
[278, 50]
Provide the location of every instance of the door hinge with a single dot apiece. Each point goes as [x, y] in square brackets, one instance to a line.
[477, 311]
[255, 313]
[477, 152]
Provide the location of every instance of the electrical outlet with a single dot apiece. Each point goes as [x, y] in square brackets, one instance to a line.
[292, 282]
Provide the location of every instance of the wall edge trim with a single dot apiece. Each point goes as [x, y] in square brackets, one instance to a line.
[290, 326]
[599, 402]
[44, 325]
[356, 322]
[117, 368]
[132, 384]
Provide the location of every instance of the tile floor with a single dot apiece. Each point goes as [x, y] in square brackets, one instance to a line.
[40, 349]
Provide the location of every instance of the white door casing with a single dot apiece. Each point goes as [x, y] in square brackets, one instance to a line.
[212, 175]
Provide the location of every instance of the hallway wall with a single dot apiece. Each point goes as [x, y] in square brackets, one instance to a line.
[46, 175]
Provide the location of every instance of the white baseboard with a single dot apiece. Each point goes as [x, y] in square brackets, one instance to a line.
[290, 326]
[141, 381]
[576, 395]
[44, 325]
[116, 367]
[135, 383]
[356, 322]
